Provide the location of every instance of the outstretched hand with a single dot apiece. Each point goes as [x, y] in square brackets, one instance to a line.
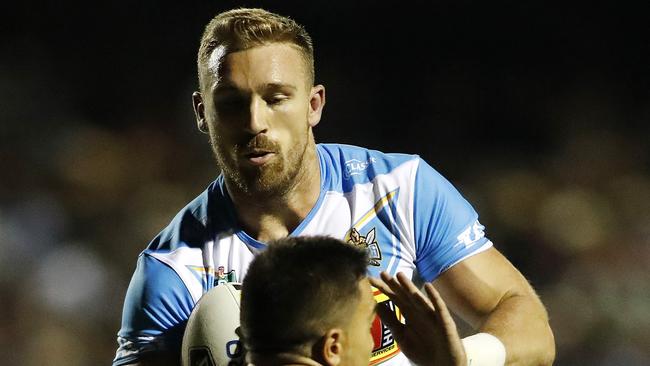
[429, 336]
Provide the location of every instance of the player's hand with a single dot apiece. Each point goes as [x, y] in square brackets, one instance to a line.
[429, 336]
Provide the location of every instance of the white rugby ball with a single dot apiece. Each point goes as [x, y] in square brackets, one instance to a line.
[210, 338]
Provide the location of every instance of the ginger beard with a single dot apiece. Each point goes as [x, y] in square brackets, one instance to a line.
[273, 178]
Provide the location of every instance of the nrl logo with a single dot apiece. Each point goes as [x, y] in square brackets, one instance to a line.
[369, 243]
[221, 276]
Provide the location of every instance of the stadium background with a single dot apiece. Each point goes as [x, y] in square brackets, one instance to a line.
[537, 112]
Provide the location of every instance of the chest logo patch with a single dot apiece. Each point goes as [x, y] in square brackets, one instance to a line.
[367, 242]
[363, 233]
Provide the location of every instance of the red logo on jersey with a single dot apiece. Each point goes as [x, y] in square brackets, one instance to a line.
[385, 346]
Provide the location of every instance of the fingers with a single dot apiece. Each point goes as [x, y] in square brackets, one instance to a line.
[396, 288]
[444, 317]
[387, 290]
[438, 303]
[388, 316]
[381, 285]
[410, 288]
[429, 333]
[391, 288]
[408, 297]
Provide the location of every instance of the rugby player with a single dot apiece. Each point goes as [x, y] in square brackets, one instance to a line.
[258, 104]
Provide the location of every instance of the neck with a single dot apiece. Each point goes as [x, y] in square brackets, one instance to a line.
[267, 218]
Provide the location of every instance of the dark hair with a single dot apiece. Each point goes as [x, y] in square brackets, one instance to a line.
[241, 29]
[298, 289]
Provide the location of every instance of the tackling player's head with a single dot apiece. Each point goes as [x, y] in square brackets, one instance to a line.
[308, 297]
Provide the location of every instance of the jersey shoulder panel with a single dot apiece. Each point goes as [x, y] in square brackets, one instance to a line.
[209, 213]
[156, 309]
[446, 225]
[171, 275]
[347, 165]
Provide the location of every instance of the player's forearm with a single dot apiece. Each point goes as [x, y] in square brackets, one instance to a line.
[521, 323]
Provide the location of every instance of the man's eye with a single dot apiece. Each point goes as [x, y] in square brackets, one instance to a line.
[230, 102]
[276, 99]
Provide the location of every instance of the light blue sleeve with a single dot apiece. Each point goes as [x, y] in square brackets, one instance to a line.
[446, 226]
[156, 309]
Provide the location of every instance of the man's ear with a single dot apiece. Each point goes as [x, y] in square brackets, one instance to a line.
[199, 112]
[332, 347]
[316, 104]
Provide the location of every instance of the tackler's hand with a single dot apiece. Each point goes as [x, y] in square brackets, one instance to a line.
[429, 335]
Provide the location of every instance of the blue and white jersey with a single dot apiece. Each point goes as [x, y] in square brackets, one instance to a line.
[408, 217]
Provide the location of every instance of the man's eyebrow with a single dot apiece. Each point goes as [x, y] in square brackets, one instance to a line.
[224, 86]
[278, 86]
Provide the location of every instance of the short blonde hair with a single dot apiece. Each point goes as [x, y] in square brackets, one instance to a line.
[243, 28]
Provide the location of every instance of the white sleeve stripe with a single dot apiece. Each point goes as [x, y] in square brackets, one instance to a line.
[487, 245]
[177, 260]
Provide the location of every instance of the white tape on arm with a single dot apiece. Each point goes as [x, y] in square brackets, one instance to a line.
[483, 349]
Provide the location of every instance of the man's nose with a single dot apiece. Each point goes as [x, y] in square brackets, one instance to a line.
[257, 116]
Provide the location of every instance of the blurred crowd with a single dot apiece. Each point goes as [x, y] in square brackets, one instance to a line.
[79, 199]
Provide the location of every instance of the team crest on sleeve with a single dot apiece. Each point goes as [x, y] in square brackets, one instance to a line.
[369, 243]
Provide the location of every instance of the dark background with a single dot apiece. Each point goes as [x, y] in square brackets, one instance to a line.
[537, 112]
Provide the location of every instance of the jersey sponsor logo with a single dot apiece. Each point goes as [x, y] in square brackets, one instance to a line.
[385, 346]
[369, 243]
[471, 235]
[221, 276]
[355, 166]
